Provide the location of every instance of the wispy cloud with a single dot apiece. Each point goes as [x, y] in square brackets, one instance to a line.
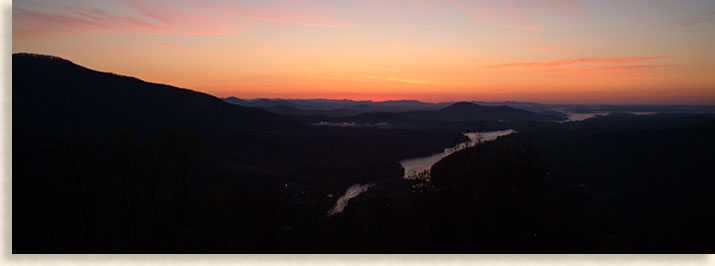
[602, 69]
[584, 65]
[183, 21]
[581, 61]
[518, 22]
[278, 13]
[184, 49]
[517, 15]
[29, 24]
[182, 17]
[288, 17]
[33, 24]
[707, 17]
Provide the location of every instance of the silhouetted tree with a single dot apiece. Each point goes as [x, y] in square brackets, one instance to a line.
[180, 154]
[131, 168]
[81, 164]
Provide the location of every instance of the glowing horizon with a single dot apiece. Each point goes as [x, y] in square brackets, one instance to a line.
[545, 51]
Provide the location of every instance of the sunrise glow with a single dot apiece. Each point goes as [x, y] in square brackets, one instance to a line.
[547, 51]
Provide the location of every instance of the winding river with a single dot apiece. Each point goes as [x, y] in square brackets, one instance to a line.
[416, 166]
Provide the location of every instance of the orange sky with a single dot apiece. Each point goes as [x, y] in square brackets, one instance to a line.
[549, 51]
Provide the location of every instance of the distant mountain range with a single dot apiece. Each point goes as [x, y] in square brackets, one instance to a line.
[341, 108]
[333, 108]
[470, 112]
[370, 106]
[397, 112]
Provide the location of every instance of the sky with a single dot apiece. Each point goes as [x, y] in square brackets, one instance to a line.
[547, 51]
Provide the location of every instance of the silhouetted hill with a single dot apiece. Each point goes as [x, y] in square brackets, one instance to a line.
[54, 95]
[235, 100]
[464, 111]
[458, 115]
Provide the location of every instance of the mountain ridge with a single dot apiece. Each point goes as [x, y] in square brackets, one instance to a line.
[61, 89]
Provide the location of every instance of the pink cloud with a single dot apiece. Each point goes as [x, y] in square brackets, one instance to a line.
[187, 22]
[603, 69]
[581, 61]
[182, 17]
[79, 21]
[477, 10]
[575, 66]
[32, 25]
[278, 14]
[471, 14]
[190, 50]
[518, 22]
[518, 15]
[708, 17]
[288, 17]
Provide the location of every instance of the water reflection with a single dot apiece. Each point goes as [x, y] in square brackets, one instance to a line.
[353, 191]
[415, 167]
